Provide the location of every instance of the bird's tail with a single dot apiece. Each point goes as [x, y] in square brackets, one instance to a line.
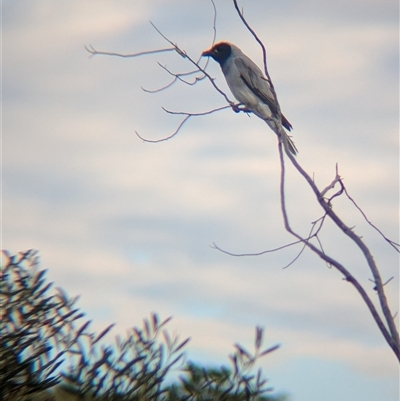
[288, 143]
[286, 139]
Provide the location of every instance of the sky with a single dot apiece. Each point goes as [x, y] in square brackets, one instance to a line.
[130, 226]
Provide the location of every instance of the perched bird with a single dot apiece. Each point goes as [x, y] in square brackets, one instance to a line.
[249, 86]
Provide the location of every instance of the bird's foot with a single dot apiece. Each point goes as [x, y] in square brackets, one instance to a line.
[237, 108]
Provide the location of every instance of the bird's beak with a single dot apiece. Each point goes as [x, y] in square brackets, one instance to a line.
[206, 53]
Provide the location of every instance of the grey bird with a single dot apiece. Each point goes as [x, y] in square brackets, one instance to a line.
[249, 86]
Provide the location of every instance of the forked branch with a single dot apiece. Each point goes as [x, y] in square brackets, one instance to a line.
[387, 327]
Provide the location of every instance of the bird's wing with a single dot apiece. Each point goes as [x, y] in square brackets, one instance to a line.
[254, 80]
[259, 85]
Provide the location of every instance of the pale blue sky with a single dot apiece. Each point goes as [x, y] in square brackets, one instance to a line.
[128, 225]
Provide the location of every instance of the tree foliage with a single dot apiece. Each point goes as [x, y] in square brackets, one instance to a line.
[45, 343]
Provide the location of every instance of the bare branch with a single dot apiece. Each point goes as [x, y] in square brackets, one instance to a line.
[391, 336]
[336, 194]
[176, 48]
[333, 183]
[168, 137]
[394, 244]
[386, 282]
[177, 77]
[95, 52]
[160, 89]
[187, 117]
[185, 55]
[184, 74]
[215, 246]
[259, 41]
[310, 236]
[204, 113]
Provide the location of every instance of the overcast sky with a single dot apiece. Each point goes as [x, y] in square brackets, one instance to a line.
[130, 225]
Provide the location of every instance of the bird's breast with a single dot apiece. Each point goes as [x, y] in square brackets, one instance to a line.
[244, 95]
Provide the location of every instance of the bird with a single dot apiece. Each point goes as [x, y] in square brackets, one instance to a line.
[250, 87]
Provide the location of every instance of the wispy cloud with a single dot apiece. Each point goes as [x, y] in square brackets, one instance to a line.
[129, 225]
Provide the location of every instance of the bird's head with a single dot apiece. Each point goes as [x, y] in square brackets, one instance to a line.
[220, 52]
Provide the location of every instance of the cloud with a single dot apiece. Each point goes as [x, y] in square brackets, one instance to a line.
[129, 225]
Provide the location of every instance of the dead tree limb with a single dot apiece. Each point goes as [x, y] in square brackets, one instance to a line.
[387, 327]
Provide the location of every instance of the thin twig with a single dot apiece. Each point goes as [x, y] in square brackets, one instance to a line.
[162, 88]
[309, 237]
[95, 52]
[204, 113]
[214, 21]
[178, 76]
[386, 282]
[187, 117]
[336, 194]
[333, 183]
[394, 244]
[259, 41]
[185, 55]
[215, 246]
[166, 138]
